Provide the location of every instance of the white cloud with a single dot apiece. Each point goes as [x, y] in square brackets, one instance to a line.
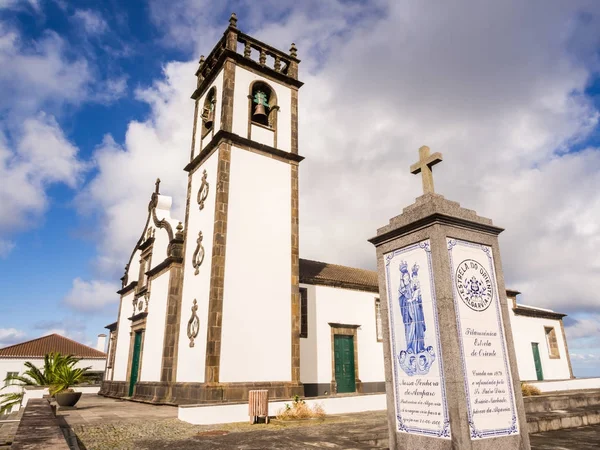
[42, 156]
[499, 89]
[94, 295]
[39, 74]
[92, 21]
[156, 148]
[20, 4]
[6, 247]
[10, 336]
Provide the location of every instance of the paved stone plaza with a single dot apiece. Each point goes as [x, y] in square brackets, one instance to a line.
[107, 424]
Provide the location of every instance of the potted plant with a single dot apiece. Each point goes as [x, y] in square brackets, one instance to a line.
[66, 376]
[58, 371]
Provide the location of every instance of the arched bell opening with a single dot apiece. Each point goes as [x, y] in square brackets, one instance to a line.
[262, 113]
[208, 111]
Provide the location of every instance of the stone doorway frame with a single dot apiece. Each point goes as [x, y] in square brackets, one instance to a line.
[345, 330]
[138, 324]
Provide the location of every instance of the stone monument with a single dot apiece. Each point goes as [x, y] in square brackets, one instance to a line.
[451, 370]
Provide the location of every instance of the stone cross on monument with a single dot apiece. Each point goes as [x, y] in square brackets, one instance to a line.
[424, 165]
[450, 364]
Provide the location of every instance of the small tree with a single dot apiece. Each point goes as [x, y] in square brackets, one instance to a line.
[58, 373]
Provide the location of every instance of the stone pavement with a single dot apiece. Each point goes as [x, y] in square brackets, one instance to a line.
[107, 424]
[582, 438]
[94, 409]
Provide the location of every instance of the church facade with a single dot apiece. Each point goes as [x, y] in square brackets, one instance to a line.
[220, 302]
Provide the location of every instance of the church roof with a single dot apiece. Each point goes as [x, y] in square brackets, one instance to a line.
[38, 348]
[316, 272]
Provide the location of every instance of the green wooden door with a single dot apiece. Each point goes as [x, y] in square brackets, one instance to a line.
[537, 360]
[343, 348]
[135, 362]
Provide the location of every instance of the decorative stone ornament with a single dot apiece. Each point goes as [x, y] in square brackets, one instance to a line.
[198, 256]
[203, 191]
[193, 326]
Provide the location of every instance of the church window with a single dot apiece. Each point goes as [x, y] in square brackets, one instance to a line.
[263, 105]
[303, 313]
[208, 111]
[144, 267]
[552, 342]
[9, 375]
[378, 322]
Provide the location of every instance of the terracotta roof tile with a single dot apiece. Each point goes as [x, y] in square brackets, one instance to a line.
[316, 272]
[39, 347]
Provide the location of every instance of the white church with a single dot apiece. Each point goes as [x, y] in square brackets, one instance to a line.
[220, 302]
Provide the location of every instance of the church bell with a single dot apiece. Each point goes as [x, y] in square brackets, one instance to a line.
[210, 117]
[259, 113]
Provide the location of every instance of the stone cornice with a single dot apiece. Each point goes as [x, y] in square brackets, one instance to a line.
[541, 314]
[234, 139]
[247, 63]
[170, 260]
[138, 317]
[342, 325]
[433, 219]
[111, 326]
[147, 243]
[131, 286]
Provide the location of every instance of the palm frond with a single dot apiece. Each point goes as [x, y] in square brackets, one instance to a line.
[7, 401]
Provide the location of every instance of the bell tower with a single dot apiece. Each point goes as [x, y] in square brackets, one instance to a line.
[241, 261]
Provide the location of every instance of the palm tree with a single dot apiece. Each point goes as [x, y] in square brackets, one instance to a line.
[58, 373]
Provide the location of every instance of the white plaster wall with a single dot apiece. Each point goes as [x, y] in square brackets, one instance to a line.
[343, 306]
[243, 79]
[256, 332]
[123, 338]
[134, 267]
[214, 414]
[262, 135]
[199, 144]
[190, 366]
[18, 365]
[531, 329]
[155, 329]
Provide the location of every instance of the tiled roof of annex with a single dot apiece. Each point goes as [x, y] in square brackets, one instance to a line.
[37, 348]
[316, 272]
[320, 273]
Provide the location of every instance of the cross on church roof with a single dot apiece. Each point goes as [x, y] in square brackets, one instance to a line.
[424, 165]
[157, 184]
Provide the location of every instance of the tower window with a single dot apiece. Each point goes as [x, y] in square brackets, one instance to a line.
[378, 323]
[208, 111]
[303, 313]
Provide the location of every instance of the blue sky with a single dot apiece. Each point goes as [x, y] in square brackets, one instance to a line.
[96, 107]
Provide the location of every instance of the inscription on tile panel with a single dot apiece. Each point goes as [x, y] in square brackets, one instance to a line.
[488, 383]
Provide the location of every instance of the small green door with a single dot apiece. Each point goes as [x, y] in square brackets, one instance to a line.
[537, 360]
[135, 362]
[343, 348]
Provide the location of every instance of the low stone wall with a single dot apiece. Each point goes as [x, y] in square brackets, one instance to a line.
[114, 389]
[39, 428]
[561, 401]
[566, 385]
[238, 412]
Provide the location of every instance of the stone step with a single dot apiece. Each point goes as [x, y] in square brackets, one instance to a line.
[561, 401]
[561, 419]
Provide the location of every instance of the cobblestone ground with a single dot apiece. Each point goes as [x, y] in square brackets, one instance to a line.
[173, 434]
[104, 424]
